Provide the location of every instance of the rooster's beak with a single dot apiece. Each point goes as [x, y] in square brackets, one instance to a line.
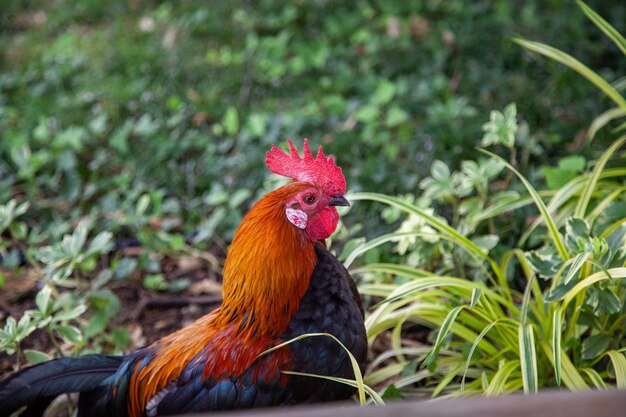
[339, 201]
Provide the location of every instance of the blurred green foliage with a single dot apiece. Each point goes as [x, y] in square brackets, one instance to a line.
[103, 102]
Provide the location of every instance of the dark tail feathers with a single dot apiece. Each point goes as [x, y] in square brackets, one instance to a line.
[37, 385]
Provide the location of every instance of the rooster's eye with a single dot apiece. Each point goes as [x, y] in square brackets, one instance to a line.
[309, 198]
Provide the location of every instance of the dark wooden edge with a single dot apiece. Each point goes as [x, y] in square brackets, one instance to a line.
[611, 403]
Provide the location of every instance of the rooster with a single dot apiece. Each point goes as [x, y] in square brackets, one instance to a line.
[280, 282]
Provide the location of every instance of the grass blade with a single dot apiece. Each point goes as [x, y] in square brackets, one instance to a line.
[583, 202]
[619, 365]
[595, 378]
[393, 269]
[528, 358]
[373, 394]
[355, 365]
[577, 66]
[603, 119]
[577, 263]
[471, 352]
[443, 332]
[497, 385]
[592, 279]
[604, 26]
[433, 221]
[569, 374]
[557, 326]
[554, 231]
[476, 293]
[364, 247]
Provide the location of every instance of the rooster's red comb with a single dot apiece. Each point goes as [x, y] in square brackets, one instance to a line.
[320, 171]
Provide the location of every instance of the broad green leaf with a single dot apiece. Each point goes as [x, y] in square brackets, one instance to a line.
[231, 121]
[70, 334]
[595, 345]
[35, 356]
[71, 314]
[42, 299]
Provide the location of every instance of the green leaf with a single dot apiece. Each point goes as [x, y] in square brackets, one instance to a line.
[71, 314]
[35, 356]
[239, 197]
[142, 204]
[595, 345]
[155, 282]
[231, 121]
[501, 128]
[366, 246]
[96, 325]
[257, 124]
[367, 113]
[384, 92]
[42, 299]
[574, 163]
[395, 116]
[608, 303]
[100, 244]
[70, 334]
[498, 382]
[120, 337]
[473, 348]
[391, 393]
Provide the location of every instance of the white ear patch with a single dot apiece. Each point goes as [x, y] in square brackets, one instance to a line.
[297, 217]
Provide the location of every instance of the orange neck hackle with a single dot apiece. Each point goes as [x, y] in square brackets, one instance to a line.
[268, 267]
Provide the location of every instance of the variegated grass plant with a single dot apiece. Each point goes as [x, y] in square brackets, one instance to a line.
[563, 327]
